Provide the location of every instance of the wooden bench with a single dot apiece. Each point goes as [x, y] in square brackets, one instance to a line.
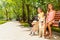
[56, 19]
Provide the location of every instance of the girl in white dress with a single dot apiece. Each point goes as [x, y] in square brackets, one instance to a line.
[41, 22]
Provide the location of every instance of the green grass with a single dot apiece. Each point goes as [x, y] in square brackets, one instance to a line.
[2, 21]
[25, 24]
[56, 29]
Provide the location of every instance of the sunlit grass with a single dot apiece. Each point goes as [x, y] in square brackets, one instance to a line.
[56, 29]
[24, 24]
[2, 21]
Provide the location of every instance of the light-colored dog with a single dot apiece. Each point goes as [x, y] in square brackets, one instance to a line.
[35, 27]
[41, 27]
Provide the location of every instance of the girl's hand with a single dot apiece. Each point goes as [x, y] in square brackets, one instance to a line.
[50, 23]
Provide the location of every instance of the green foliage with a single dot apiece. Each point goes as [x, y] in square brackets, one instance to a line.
[3, 21]
[24, 24]
[24, 9]
[56, 29]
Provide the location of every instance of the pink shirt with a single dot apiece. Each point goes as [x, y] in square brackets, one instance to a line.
[50, 16]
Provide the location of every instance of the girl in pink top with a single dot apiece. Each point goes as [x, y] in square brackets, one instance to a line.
[49, 19]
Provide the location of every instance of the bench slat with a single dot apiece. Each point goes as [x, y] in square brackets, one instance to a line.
[57, 18]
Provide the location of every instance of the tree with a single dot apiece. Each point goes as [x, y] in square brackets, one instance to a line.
[24, 9]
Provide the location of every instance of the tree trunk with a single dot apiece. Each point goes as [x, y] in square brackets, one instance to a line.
[7, 15]
[28, 12]
[23, 12]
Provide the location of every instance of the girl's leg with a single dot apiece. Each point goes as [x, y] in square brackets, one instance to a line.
[40, 32]
[45, 30]
[39, 29]
[49, 28]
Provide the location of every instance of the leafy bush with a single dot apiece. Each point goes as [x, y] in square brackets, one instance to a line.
[25, 24]
[2, 21]
[56, 29]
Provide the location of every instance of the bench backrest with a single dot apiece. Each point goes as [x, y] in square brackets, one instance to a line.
[56, 19]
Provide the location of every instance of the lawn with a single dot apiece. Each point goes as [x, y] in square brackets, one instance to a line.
[24, 24]
[2, 21]
[56, 29]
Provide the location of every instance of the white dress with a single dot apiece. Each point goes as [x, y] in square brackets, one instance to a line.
[41, 24]
[41, 20]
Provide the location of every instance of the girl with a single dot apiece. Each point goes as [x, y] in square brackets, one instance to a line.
[41, 22]
[49, 19]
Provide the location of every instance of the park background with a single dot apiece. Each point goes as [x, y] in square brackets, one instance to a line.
[24, 10]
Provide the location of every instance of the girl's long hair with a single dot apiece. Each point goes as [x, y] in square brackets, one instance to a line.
[48, 8]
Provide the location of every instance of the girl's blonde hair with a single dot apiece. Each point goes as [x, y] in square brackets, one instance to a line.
[40, 9]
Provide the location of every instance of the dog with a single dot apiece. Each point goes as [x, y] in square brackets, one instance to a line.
[41, 27]
[34, 28]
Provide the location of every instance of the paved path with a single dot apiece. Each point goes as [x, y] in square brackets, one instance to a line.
[13, 31]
